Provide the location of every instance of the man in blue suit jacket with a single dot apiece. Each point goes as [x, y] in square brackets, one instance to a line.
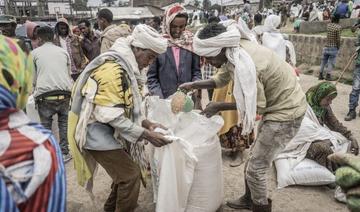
[178, 64]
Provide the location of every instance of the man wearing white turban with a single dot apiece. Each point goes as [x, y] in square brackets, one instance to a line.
[269, 35]
[264, 84]
[105, 122]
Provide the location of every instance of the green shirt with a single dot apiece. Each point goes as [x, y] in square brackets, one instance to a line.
[279, 95]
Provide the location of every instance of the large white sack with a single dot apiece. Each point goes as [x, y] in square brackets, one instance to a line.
[31, 111]
[206, 193]
[307, 172]
[174, 171]
[291, 164]
[199, 163]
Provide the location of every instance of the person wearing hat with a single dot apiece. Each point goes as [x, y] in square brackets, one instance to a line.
[7, 28]
[8, 25]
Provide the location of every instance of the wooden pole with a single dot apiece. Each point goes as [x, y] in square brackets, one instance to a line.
[346, 67]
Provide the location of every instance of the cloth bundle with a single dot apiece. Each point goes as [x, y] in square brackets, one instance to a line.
[181, 102]
[348, 178]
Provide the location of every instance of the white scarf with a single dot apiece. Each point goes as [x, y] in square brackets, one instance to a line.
[310, 131]
[246, 31]
[271, 36]
[244, 72]
[121, 52]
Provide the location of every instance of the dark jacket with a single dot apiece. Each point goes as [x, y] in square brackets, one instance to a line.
[77, 56]
[91, 46]
[163, 78]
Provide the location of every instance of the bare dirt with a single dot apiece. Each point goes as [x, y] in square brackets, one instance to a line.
[291, 199]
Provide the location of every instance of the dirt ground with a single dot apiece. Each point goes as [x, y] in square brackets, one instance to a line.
[296, 198]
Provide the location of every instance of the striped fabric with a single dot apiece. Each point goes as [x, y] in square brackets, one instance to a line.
[7, 100]
[6, 201]
[50, 195]
[32, 174]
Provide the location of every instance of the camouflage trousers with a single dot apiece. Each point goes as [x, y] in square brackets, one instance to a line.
[272, 138]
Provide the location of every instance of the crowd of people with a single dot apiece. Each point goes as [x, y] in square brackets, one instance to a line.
[95, 81]
[296, 12]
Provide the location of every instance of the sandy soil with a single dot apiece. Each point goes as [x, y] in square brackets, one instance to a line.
[296, 198]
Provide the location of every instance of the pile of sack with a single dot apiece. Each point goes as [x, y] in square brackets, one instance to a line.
[348, 178]
[292, 166]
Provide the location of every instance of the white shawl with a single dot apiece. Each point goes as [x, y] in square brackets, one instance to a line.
[311, 130]
[244, 72]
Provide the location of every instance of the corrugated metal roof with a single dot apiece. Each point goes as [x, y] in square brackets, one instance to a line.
[130, 12]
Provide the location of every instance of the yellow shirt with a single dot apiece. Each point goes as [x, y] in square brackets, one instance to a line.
[279, 95]
[225, 94]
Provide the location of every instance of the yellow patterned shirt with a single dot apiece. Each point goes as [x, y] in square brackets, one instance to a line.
[110, 86]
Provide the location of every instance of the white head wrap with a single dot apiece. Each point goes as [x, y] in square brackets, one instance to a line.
[244, 72]
[143, 37]
[272, 23]
[271, 36]
[146, 37]
[246, 31]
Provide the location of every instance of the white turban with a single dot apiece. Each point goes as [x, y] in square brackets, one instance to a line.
[143, 37]
[272, 23]
[146, 37]
[211, 47]
[246, 32]
[244, 73]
